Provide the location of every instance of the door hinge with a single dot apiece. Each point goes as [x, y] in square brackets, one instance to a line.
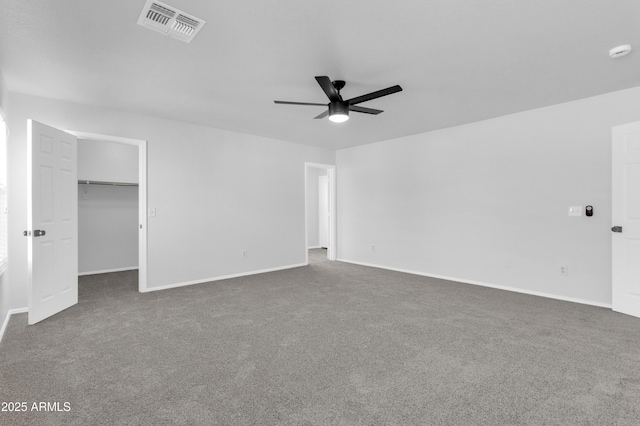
[36, 233]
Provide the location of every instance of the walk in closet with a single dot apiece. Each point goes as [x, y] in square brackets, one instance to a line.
[107, 207]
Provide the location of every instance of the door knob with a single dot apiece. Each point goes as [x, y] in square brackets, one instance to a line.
[39, 232]
[616, 229]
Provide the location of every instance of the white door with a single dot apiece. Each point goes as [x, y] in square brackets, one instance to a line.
[323, 214]
[626, 219]
[52, 221]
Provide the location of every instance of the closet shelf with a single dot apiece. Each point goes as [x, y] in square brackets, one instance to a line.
[98, 182]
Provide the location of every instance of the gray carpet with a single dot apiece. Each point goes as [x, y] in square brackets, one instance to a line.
[326, 344]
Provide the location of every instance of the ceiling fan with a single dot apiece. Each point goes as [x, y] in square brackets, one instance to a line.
[338, 108]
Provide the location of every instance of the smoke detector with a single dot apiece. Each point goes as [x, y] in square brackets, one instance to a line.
[619, 51]
[169, 21]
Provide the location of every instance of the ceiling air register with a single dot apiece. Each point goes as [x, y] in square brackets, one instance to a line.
[170, 21]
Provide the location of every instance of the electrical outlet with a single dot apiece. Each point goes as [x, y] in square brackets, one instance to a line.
[507, 264]
[563, 270]
[373, 247]
[244, 254]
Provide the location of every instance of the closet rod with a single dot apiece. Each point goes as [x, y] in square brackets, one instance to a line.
[98, 182]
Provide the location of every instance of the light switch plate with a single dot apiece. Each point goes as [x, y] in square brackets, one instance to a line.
[575, 211]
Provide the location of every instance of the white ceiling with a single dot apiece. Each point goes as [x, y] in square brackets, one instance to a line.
[458, 61]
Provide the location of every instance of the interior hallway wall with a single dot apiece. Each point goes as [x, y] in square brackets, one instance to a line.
[313, 208]
[217, 193]
[487, 202]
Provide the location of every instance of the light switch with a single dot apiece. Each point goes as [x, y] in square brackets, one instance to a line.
[152, 212]
[575, 211]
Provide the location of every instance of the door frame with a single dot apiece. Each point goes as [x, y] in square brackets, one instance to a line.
[142, 195]
[331, 173]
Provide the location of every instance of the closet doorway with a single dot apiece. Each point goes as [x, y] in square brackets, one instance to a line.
[112, 194]
[320, 209]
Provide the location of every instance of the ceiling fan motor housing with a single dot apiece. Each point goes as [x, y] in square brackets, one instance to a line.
[340, 108]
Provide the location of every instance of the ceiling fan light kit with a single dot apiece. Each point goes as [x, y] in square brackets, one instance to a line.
[338, 108]
[338, 112]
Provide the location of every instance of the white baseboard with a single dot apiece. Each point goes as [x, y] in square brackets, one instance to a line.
[6, 319]
[484, 284]
[224, 277]
[106, 271]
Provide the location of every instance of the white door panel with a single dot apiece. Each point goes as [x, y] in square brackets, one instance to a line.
[52, 221]
[626, 214]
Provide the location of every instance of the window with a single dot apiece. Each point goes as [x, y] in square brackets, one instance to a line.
[3, 195]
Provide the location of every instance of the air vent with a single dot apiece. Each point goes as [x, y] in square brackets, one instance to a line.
[169, 21]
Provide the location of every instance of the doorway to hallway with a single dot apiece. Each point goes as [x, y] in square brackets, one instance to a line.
[320, 209]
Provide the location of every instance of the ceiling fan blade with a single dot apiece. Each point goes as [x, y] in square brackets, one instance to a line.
[374, 95]
[298, 103]
[365, 110]
[329, 89]
[323, 115]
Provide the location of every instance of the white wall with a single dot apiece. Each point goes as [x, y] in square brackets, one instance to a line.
[107, 161]
[487, 202]
[4, 94]
[313, 173]
[5, 296]
[216, 192]
[107, 228]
